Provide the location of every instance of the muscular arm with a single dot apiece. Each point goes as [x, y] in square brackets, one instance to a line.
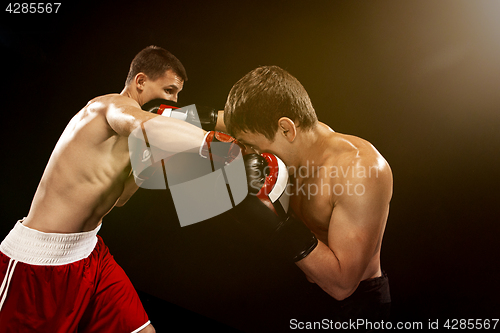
[125, 118]
[124, 115]
[354, 235]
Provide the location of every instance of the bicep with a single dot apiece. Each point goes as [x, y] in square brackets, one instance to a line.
[356, 224]
[352, 235]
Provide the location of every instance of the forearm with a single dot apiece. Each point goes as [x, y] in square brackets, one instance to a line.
[169, 136]
[322, 267]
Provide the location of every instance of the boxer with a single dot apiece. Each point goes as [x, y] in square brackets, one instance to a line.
[341, 186]
[56, 273]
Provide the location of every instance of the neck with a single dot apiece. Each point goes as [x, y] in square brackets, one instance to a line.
[310, 149]
[128, 93]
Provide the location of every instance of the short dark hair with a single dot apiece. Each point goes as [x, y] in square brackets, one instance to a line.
[259, 99]
[154, 61]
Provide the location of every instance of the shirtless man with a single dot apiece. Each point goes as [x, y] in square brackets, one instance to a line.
[57, 273]
[341, 186]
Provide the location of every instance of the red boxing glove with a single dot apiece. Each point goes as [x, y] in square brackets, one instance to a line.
[221, 148]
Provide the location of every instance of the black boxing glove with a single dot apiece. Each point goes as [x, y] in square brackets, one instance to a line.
[265, 210]
[198, 115]
[206, 115]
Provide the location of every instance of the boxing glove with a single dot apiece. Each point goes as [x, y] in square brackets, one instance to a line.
[198, 115]
[265, 210]
[216, 151]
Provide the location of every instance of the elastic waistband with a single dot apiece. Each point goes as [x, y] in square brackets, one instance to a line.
[34, 247]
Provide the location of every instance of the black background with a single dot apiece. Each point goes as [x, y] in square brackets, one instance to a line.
[418, 79]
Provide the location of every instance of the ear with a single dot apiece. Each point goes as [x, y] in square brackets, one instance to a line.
[140, 81]
[287, 128]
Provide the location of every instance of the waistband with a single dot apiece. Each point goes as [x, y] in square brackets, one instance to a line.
[34, 247]
[378, 287]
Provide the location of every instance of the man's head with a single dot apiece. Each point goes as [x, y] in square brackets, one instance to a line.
[260, 100]
[155, 73]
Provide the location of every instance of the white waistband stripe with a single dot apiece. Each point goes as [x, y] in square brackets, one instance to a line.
[6, 281]
[39, 248]
[142, 327]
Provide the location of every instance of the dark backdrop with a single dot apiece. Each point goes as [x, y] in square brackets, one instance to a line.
[418, 79]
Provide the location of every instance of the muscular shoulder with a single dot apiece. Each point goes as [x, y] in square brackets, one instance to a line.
[102, 104]
[121, 113]
[356, 161]
[348, 150]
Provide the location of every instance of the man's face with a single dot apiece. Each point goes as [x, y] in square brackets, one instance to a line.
[166, 86]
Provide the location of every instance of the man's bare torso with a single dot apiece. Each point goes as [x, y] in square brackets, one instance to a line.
[339, 167]
[85, 175]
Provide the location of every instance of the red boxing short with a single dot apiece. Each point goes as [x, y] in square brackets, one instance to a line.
[64, 283]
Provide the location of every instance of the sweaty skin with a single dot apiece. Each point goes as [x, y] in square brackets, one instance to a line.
[341, 187]
[89, 171]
